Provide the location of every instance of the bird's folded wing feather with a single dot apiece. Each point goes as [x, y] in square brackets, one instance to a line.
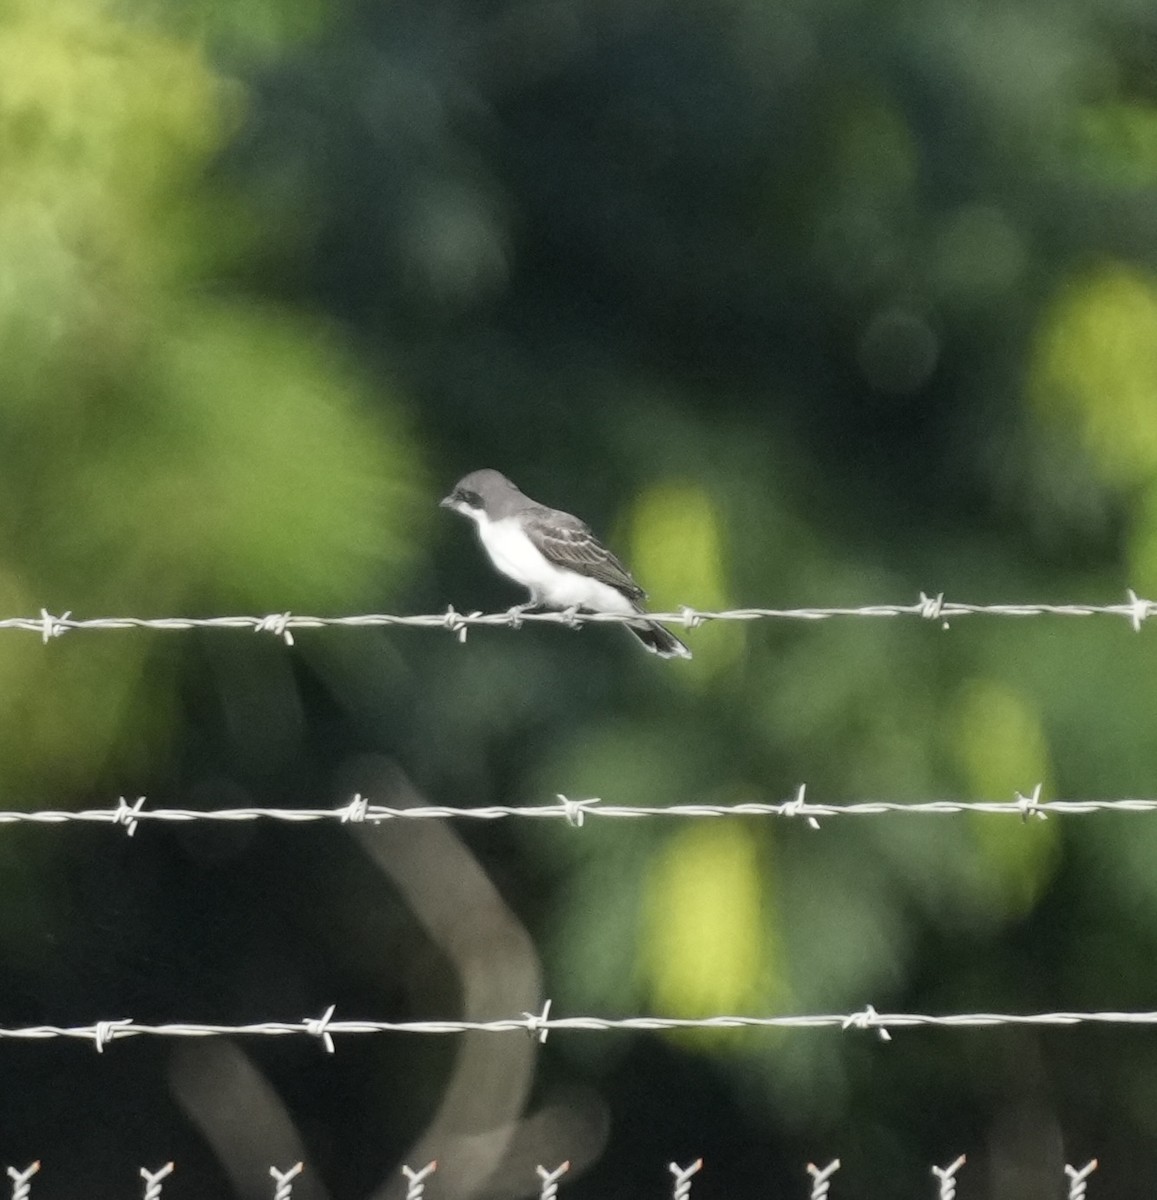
[566, 542]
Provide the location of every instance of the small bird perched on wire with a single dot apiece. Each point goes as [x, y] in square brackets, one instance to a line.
[555, 556]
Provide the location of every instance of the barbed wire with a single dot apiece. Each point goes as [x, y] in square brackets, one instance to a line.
[946, 1177]
[359, 810]
[1136, 610]
[539, 1025]
[681, 1179]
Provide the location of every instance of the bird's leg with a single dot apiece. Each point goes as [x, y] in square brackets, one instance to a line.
[527, 606]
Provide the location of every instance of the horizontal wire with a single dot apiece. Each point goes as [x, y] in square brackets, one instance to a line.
[575, 812]
[539, 1025]
[931, 608]
[681, 1178]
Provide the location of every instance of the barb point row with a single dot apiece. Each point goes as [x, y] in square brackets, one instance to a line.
[283, 625]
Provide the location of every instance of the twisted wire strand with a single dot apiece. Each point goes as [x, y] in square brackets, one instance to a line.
[576, 812]
[538, 1025]
[936, 608]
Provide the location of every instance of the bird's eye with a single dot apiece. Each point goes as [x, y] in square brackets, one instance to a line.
[471, 498]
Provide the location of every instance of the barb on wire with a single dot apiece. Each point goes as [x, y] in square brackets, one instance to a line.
[416, 1180]
[319, 1027]
[869, 1019]
[550, 1179]
[283, 1180]
[22, 1180]
[326, 1028]
[821, 1178]
[538, 1024]
[947, 1178]
[682, 1178]
[575, 812]
[154, 1180]
[283, 625]
[1078, 1179]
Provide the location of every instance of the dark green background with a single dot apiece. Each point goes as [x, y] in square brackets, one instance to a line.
[817, 302]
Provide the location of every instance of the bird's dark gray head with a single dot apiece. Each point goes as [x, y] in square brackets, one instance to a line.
[486, 491]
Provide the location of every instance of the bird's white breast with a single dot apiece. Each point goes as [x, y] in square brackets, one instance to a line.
[517, 557]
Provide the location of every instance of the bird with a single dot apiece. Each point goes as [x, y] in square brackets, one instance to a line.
[554, 556]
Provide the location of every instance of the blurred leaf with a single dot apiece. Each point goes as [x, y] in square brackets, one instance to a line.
[1118, 142]
[164, 448]
[706, 947]
[1001, 747]
[259, 26]
[1095, 366]
[100, 118]
[256, 477]
[1143, 543]
[599, 927]
[677, 550]
[876, 155]
[677, 546]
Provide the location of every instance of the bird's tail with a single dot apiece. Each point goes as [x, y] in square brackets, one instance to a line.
[659, 640]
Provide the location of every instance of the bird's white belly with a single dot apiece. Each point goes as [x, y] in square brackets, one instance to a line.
[516, 556]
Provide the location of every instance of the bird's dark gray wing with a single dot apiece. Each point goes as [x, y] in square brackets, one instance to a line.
[566, 542]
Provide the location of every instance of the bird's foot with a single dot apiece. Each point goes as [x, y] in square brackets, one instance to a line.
[514, 615]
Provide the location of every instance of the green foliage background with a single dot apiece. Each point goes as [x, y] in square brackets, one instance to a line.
[818, 302]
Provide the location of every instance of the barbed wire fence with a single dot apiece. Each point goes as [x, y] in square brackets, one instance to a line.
[284, 625]
[540, 1025]
[416, 1180]
[131, 815]
[1136, 610]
